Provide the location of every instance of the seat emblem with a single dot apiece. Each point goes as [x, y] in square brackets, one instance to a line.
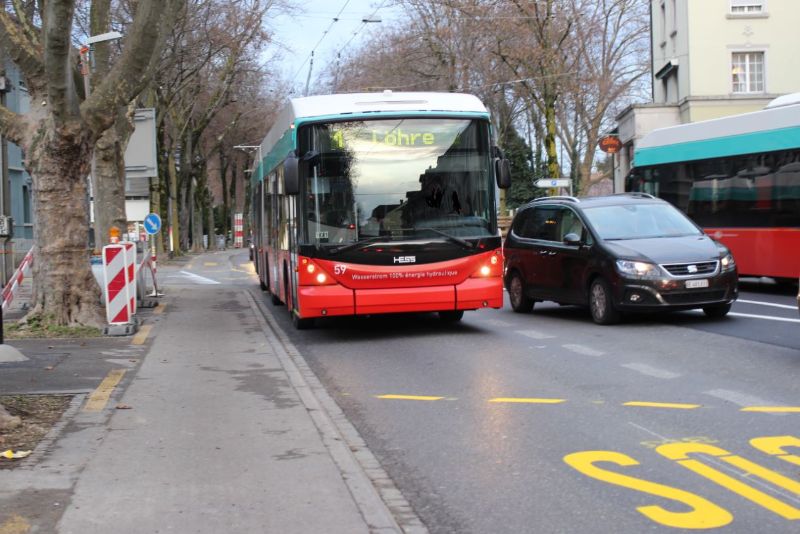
[692, 268]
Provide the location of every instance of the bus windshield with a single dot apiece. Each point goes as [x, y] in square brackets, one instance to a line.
[392, 179]
[640, 221]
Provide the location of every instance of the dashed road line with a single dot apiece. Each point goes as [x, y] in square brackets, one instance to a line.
[141, 336]
[522, 400]
[772, 304]
[534, 334]
[765, 317]
[99, 397]
[741, 399]
[582, 349]
[650, 370]
[409, 397]
[771, 409]
[667, 405]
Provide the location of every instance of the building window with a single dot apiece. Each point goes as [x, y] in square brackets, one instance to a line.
[748, 72]
[26, 205]
[742, 7]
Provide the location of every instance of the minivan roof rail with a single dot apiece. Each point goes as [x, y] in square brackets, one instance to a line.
[557, 197]
[637, 194]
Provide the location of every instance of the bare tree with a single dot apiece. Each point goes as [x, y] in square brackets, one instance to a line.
[58, 135]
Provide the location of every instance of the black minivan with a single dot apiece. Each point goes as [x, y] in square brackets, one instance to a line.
[619, 253]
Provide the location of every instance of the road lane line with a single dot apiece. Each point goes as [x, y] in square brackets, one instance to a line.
[774, 305]
[99, 397]
[16, 524]
[197, 278]
[741, 399]
[765, 317]
[650, 370]
[535, 334]
[771, 409]
[581, 349]
[409, 397]
[158, 310]
[141, 335]
[669, 405]
[522, 400]
[210, 264]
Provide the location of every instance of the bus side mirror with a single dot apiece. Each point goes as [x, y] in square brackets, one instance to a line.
[502, 173]
[291, 174]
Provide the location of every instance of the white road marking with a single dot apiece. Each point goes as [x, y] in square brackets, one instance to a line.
[581, 349]
[199, 279]
[535, 334]
[497, 322]
[766, 317]
[785, 306]
[741, 399]
[650, 370]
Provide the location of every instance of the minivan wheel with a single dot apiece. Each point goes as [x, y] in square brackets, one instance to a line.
[301, 324]
[717, 311]
[520, 302]
[601, 303]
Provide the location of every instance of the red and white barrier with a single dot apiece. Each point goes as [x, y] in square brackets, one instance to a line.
[238, 230]
[16, 279]
[119, 286]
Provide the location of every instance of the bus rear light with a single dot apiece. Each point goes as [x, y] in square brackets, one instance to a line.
[310, 268]
[495, 260]
[311, 274]
[485, 270]
[321, 278]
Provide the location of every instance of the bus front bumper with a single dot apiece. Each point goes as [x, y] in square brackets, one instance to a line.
[337, 300]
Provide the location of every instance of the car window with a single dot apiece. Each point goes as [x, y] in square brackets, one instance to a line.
[570, 223]
[639, 221]
[542, 224]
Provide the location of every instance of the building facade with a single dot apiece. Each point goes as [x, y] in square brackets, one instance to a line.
[712, 58]
[17, 99]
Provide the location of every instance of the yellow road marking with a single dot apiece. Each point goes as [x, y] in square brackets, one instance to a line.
[527, 401]
[210, 264]
[672, 405]
[15, 525]
[409, 397]
[141, 335]
[772, 409]
[158, 310]
[99, 397]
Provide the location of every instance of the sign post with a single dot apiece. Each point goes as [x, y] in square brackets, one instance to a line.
[548, 183]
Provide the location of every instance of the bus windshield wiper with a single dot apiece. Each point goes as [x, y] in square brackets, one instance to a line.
[457, 240]
[359, 244]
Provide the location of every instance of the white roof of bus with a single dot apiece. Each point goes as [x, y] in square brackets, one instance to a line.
[785, 116]
[358, 103]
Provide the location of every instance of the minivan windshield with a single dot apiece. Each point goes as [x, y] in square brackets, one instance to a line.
[640, 221]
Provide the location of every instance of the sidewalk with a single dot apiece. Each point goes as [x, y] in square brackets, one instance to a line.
[227, 431]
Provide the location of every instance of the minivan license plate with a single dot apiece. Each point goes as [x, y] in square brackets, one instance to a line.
[691, 284]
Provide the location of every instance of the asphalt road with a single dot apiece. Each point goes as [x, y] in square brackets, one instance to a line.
[548, 423]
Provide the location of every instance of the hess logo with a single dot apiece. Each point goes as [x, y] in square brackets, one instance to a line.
[405, 259]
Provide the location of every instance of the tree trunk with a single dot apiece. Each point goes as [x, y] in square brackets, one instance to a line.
[64, 290]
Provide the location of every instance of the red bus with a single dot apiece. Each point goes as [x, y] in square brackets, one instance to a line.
[738, 178]
[379, 203]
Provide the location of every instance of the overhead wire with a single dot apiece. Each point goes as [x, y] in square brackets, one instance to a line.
[324, 34]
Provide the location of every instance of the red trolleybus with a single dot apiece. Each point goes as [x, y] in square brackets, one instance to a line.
[738, 178]
[379, 203]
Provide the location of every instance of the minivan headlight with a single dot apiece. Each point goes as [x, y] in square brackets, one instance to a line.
[727, 263]
[638, 269]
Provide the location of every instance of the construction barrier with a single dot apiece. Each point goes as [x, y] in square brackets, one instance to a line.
[238, 230]
[119, 284]
[16, 279]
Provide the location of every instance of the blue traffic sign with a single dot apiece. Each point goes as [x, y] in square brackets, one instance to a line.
[152, 223]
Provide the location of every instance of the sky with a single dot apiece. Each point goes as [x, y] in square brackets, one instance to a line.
[302, 32]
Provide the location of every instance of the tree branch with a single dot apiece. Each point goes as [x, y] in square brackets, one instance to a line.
[12, 125]
[61, 95]
[26, 54]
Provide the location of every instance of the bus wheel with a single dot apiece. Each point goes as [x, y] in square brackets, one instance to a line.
[262, 284]
[302, 324]
[274, 299]
[717, 311]
[453, 316]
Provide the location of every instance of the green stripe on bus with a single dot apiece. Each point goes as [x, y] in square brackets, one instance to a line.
[751, 143]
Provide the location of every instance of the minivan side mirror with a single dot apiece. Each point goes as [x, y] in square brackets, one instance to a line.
[291, 174]
[572, 239]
